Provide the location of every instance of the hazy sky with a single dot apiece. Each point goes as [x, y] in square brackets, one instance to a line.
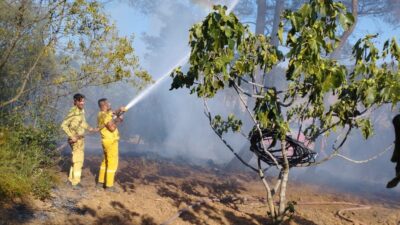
[131, 21]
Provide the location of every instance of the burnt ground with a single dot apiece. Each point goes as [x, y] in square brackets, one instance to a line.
[154, 189]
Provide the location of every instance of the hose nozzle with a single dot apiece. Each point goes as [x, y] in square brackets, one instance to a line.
[120, 111]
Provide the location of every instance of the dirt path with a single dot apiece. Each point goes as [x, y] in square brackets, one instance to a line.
[156, 191]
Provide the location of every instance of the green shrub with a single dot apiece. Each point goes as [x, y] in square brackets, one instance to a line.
[26, 159]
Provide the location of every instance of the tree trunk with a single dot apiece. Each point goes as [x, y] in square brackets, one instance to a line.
[277, 19]
[347, 33]
[270, 78]
[285, 177]
[261, 16]
[270, 196]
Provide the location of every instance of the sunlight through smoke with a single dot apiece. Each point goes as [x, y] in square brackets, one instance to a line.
[181, 62]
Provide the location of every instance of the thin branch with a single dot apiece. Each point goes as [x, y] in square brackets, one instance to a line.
[259, 85]
[369, 159]
[208, 115]
[22, 88]
[277, 185]
[286, 104]
[343, 141]
[248, 94]
[257, 125]
[267, 188]
[326, 129]
[249, 22]
[335, 151]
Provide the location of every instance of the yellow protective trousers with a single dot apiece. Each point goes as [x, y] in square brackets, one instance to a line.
[77, 162]
[109, 164]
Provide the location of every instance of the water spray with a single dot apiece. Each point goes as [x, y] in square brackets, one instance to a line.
[181, 62]
[157, 83]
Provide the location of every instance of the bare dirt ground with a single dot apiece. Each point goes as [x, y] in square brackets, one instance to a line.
[154, 190]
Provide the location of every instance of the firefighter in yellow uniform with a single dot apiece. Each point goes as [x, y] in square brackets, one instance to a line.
[75, 125]
[109, 139]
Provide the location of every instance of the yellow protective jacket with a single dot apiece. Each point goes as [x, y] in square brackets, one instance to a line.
[74, 124]
[102, 119]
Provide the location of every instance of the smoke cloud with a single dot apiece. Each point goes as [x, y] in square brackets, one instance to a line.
[173, 124]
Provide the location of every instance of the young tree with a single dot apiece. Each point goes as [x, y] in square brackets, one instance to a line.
[225, 54]
[61, 46]
[49, 49]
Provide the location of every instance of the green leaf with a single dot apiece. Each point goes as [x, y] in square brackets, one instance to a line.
[346, 20]
[327, 83]
[339, 77]
[228, 32]
[370, 96]
[366, 127]
[293, 19]
[280, 32]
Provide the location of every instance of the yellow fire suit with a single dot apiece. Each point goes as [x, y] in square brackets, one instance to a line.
[109, 140]
[74, 125]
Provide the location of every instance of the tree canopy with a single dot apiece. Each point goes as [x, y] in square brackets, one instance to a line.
[49, 49]
[62, 44]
